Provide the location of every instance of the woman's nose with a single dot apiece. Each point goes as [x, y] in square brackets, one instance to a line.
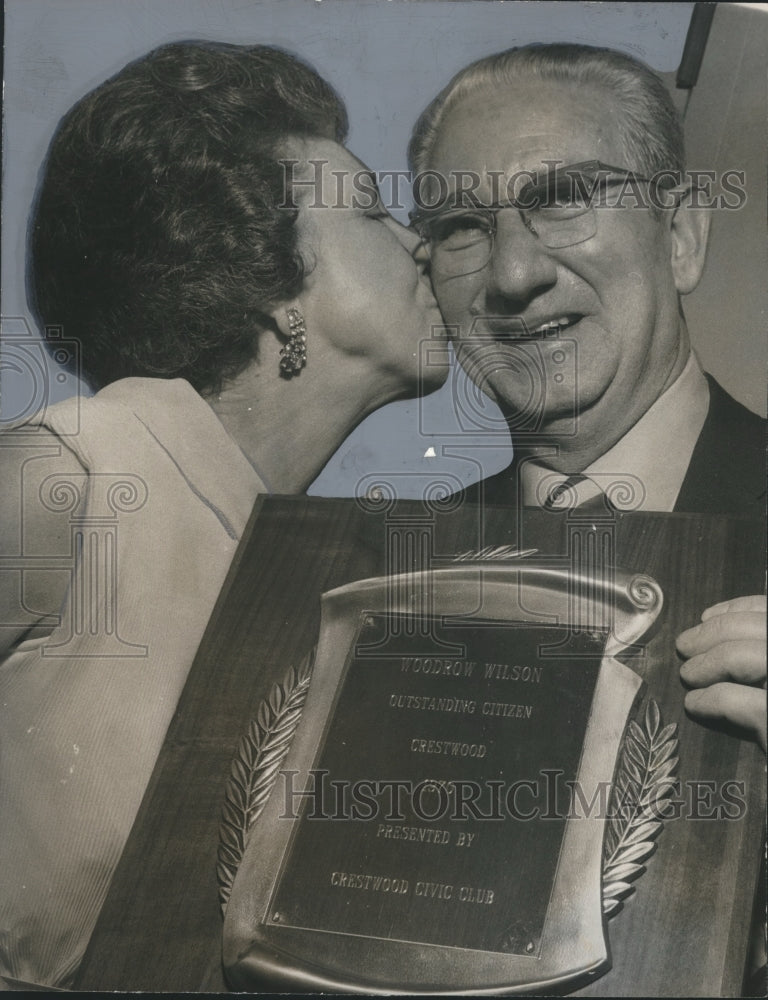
[411, 240]
[420, 253]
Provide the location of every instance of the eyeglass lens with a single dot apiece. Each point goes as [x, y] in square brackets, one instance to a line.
[560, 212]
[464, 243]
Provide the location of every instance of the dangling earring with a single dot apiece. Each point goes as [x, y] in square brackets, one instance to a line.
[293, 356]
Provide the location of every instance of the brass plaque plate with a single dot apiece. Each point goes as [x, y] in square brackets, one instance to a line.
[444, 749]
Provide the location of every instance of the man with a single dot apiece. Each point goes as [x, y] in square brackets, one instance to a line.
[563, 240]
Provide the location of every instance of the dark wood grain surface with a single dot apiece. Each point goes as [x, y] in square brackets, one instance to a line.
[683, 932]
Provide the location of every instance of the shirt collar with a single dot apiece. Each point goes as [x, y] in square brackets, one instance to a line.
[645, 469]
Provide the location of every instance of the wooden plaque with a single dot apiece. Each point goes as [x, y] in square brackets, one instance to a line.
[683, 931]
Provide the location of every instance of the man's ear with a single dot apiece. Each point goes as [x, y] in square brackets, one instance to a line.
[689, 235]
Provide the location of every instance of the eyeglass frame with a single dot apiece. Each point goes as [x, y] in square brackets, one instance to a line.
[586, 168]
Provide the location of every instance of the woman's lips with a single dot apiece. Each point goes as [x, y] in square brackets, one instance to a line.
[431, 300]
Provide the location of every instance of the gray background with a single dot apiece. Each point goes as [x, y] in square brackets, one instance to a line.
[387, 58]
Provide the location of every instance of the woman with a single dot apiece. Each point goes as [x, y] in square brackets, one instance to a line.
[237, 324]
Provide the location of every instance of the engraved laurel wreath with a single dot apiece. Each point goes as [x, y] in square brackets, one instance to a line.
[260, 755]
[645, 778]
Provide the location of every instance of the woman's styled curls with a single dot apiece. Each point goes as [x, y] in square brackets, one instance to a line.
[157, 239]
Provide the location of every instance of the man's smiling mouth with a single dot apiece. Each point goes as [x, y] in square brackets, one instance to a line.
[517, 328]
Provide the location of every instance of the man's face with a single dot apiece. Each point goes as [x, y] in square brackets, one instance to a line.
[624, 341]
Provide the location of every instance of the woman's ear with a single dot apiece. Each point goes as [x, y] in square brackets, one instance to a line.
[281, 314]
[690, 234]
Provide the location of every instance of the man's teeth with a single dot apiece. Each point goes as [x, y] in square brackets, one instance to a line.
[553, 326]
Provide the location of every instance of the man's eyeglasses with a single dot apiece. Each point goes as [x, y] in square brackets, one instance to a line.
[560, 209]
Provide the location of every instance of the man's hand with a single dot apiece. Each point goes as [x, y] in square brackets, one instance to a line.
[726, 664]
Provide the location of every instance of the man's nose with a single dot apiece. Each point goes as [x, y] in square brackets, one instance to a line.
[520, 267]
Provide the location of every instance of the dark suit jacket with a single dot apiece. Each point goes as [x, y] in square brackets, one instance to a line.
[726, 474]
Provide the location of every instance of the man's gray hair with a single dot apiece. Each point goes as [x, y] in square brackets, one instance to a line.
[651, 129]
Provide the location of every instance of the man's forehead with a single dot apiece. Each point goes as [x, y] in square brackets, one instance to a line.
[531, 157]
[523, 128]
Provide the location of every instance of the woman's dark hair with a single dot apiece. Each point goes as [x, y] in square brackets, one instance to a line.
[156, 239]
